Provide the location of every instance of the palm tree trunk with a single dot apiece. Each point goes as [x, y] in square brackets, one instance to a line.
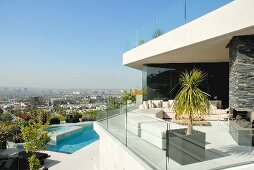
[189, 130]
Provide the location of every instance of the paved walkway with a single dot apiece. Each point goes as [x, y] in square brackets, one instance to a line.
[86, 158]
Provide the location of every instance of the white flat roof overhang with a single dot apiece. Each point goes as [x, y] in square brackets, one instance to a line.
[202, 40]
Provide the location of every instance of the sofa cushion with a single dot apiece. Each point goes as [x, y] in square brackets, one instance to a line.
[170, 103]
[145, 105]
[157, 103]
[213, 107]
[150, 104]
[165, 105]
[216, 103]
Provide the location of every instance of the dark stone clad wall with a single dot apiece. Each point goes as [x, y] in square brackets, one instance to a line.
[241, 73]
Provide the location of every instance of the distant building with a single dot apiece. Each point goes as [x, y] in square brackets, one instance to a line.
[76, 92]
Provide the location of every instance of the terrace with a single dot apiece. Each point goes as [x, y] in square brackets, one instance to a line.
[149, 137]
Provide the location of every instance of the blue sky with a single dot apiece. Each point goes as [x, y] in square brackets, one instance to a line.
[72, 43]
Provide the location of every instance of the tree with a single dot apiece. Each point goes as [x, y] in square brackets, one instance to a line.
[36, 138]
[5, 117]
[43, 115]
[128, 96]
[191, 101]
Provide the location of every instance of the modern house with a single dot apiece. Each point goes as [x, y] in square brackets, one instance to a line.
[221, 43]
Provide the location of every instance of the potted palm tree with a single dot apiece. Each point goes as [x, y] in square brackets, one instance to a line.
[157, 32]
[190, 102]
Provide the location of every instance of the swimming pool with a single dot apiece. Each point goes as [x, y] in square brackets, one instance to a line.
[75, 140]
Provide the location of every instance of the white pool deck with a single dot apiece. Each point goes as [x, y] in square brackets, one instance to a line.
[86, 158]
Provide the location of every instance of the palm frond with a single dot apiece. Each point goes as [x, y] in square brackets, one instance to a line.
[191, 100]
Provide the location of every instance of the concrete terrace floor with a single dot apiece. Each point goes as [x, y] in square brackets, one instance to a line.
[86, 158]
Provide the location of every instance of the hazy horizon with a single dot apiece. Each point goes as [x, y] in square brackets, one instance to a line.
[71, 79]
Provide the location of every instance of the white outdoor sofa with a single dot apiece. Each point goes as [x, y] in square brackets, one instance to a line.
[149, 129]
[146, 122]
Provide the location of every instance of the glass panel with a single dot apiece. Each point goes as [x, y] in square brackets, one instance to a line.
[101, 117]
[146, 136]
[162, 23]
[116, 121]
[179, 13]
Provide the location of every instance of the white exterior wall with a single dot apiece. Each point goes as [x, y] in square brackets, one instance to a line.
[115, 156]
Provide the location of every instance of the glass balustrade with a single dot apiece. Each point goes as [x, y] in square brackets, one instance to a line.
[177, 14]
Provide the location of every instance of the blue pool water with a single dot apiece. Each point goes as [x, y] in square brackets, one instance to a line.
[76, 140]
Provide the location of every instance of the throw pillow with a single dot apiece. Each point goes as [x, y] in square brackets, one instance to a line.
[145, 105]
[150, 104]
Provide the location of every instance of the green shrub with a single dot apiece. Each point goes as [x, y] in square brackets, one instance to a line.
[62, 118]
[34, 163]
[89, 115]
[17, 138]
[5, 131]
[5, 117]
[54, 120]
[43, 116]
[76, 114]
[36, 139]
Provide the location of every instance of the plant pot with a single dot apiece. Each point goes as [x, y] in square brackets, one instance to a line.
[3, 144]
[186, 149]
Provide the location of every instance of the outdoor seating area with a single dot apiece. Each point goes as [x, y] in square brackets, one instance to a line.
[147, 137]
[154, 127]
[164, 110]
[146, 132]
